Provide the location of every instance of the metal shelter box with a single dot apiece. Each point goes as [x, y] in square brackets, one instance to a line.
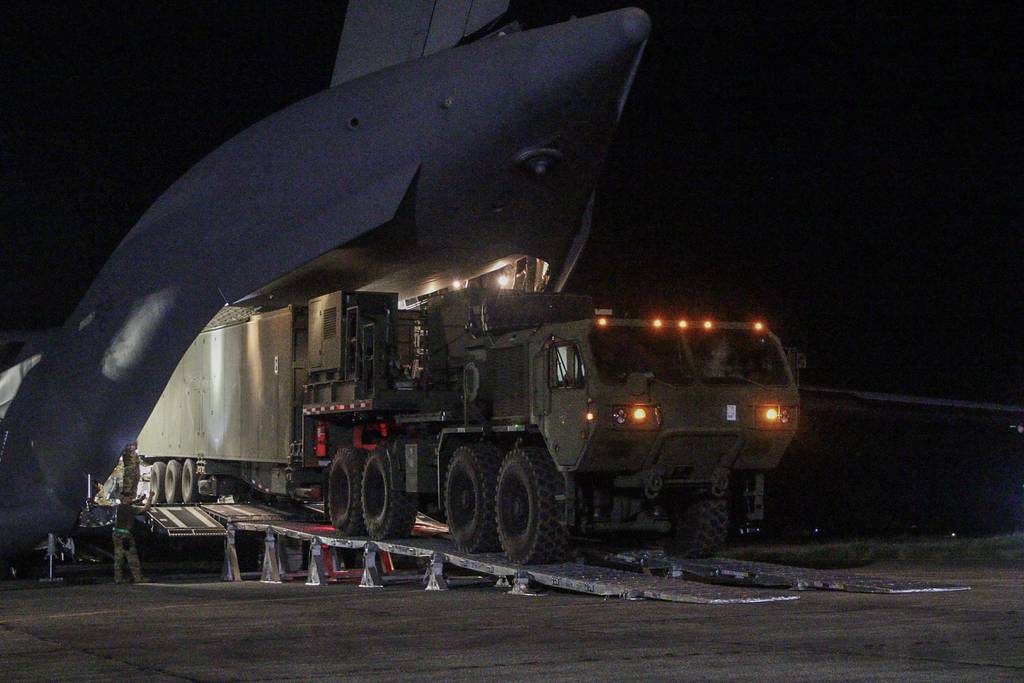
[326, 317]
[235, 395]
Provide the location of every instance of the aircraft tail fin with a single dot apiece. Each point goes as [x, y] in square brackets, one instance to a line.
[380, 33]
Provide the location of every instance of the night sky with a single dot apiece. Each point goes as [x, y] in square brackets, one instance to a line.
[852, 176]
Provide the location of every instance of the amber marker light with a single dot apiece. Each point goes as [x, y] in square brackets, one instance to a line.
[590, 416]
[708, 325]
[657, 323]
[759, 326]
[639, 414]
[771, 414]
[683, 324]
[602, 322]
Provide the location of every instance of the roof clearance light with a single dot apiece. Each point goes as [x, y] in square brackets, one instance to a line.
[602, 322]
[771, 414]
[708, 324]
[639, 414]
[590, 416]
[683, 324]
[759, 326]
[658, 323]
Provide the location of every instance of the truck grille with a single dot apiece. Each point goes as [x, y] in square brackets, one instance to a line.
[699, 452]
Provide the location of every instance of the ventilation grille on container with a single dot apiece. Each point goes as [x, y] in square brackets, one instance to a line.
[330, 323]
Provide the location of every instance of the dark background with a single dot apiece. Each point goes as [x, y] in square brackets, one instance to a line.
[850, 175]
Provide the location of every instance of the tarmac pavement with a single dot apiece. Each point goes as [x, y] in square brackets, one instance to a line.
[204, 630]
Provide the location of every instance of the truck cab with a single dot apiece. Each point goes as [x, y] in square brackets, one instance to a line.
[646, 419]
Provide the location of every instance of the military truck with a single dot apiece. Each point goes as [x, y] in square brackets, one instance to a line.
[523, 419]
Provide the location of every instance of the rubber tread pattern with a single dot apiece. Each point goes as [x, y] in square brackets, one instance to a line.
[172, 482]
[702, 527]
[485, 460]
[399, 514]
[189, 482]
[349, 462]
[157, 473]
[548, 540]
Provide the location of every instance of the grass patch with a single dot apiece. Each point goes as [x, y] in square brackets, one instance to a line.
[863, 551]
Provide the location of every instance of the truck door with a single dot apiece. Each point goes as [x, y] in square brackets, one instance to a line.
[565, 426]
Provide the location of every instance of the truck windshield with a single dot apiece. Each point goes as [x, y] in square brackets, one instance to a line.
[737, 356]
[620, 351]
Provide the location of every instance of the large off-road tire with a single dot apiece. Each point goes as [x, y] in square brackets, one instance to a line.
[387, 511]
[528, 510]
[702, 527]
[172, 482]
[469, 494]
[189, 482]
[345, 491]
[157, 477]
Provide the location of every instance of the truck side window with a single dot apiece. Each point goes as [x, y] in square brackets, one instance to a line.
[565, 367]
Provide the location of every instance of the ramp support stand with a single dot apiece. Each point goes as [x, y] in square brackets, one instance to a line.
[317, 567]
[230, 571]
[271, 559]
[521, 584]
[435, 578]
[51, 553]
[373, 572]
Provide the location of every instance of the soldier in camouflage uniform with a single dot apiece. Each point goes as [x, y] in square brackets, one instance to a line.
[125, 551]
[130, 471]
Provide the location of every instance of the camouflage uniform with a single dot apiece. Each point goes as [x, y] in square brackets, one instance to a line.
[130, 471]
[125, 551]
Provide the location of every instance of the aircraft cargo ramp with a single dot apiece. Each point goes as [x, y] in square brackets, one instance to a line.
[295, 547]
[209, 519]
[712, 582]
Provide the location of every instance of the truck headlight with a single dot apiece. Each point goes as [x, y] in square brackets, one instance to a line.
[777, 415]
[636, 416]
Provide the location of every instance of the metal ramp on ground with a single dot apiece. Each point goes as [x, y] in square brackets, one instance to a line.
[210, 519]
[183, 520]
[763, 574]
[570, 576]
[227, 513]
[729, 572]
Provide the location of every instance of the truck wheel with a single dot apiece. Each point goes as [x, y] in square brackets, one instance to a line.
[528, 509]
[469, 493]
[172, 482]
[157, 475]
[702, 527]
[345, 491]
[388, 512]
[189, 482]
